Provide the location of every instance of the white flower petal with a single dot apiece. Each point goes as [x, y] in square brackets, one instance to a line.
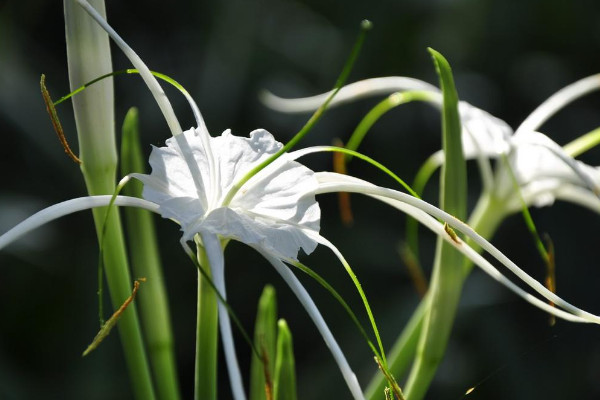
[331, 182]
[483, 134]
[214, 253]
[351, 92]
[557, 101]
[272, 210]
[315, 315]
[145, 73]
[69, 207]
[539, 162]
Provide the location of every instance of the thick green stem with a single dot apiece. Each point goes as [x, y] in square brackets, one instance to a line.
[207, 333]
[88, 55]
[145, 261]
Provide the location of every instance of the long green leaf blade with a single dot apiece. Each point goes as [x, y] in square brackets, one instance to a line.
[265, 341]
[446, 282]
[145, 262]
[285, 366]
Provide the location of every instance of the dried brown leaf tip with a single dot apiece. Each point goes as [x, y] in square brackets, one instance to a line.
[55, 121]
[414, 269]
[112, 321]
[339, 166]
[268, 381]
[550, 280]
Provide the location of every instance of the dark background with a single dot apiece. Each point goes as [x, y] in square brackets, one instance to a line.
[507, 56]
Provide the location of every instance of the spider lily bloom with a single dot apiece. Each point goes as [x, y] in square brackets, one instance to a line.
[543, 170]
[192, 182]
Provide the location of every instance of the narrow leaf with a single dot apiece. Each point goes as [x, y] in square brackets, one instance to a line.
[265, 341]
[285, 368]
[145, 261]
[446, 282]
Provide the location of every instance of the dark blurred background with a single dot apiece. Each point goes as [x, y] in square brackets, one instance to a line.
[507, 56]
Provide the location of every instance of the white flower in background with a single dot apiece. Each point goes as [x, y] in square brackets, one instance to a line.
[543, 170]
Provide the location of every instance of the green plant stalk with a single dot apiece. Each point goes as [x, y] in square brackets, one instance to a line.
[145, 262]
[207, 334]
[284, 384]
[265, 341]
[485, 220]
[401, 355]
[447, 279]
[583, 143]
[88, 55]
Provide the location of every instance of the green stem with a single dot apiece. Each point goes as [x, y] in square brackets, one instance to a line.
[119, 283]
[207, 331]
[88, 56]
[401, 355]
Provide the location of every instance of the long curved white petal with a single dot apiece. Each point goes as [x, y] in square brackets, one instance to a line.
[159, 94]
[153, 85]
[578, 195]
[351, 92]
[68, 207]
[315, 315]
[557, 101]
[212, 245]
[331, 182]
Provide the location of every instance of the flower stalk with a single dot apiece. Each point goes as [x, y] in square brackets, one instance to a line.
[207, 333]
[88, 55]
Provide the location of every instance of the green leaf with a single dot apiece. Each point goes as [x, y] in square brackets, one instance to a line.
[284, 383]
[453, 191]
[265, 338]
[446, 282]
[145, 262]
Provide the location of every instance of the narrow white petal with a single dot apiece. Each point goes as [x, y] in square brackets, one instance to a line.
[351, 92]
[315, 315]
[68, 207]
[153, 85]
[578, 195]
[537, 156]
[212, 245]
[557, 101]
[331, 182]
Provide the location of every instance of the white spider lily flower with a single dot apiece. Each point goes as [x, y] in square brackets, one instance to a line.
[543, 170]
[274, 211]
